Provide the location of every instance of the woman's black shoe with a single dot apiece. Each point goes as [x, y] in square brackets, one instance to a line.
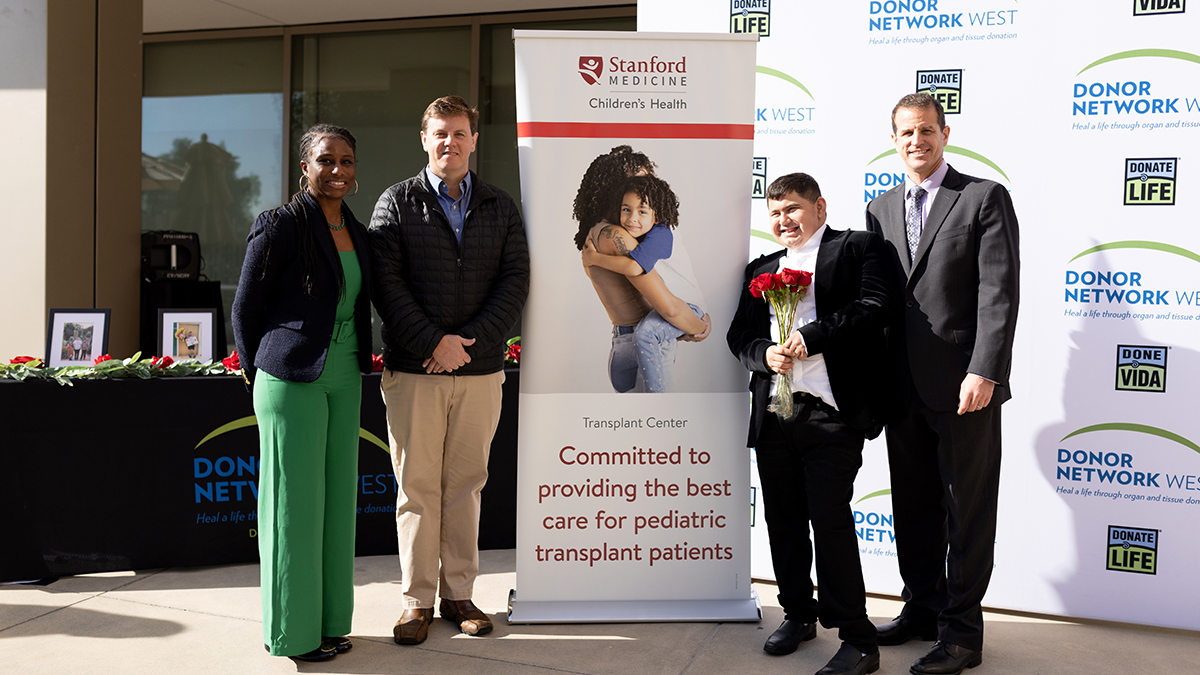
[339, 644]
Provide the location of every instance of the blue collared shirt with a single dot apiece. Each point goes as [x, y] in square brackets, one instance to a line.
[455, 210]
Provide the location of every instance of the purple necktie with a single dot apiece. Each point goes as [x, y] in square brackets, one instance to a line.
[913, 220]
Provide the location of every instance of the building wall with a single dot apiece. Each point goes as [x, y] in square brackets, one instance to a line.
[23, 171]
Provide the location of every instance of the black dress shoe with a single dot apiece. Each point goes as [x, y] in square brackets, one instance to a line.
[902, 629]
[849, 661]
[788, 637]
[946, 659]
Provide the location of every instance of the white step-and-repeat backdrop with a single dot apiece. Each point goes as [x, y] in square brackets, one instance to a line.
[1089, 112]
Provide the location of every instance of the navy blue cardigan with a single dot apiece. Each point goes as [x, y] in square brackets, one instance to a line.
[277, 326]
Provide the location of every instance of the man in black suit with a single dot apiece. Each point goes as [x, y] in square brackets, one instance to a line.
[955, 238]
[838, 363]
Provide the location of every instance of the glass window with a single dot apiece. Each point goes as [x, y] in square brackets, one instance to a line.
[377, 85]
[212, 146]
[497, 149]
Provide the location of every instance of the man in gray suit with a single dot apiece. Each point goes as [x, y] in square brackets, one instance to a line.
[955, 237]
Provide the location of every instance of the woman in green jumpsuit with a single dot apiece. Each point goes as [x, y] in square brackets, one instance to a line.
[302, 323]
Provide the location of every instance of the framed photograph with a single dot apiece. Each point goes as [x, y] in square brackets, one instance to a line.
[76, 337]
[186, 334]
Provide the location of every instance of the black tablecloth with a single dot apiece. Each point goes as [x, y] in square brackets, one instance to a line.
[130, 474]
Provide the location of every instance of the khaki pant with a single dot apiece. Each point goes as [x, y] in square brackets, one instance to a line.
[440, 429]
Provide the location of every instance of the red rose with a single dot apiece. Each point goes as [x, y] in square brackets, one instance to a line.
[514, 353]
[805, 279]
[162, 362]
[101, 359]
[759, 284]
[790, 277]
[26, 359]
[232, 362]
[376, 363]
[777, 283]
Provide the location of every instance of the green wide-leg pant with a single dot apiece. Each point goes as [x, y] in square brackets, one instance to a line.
[307, 501]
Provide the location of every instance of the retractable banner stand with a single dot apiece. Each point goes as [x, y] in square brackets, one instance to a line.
[633, 506]
[1089, 114]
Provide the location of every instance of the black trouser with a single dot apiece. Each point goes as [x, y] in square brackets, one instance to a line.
[807, 467]
[945, 471]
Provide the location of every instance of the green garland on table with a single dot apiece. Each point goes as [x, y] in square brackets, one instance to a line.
[134, 366]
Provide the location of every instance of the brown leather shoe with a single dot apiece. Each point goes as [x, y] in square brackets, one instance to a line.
[413, 626]
[463, 613]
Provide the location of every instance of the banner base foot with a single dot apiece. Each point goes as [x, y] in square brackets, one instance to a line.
[632, 611]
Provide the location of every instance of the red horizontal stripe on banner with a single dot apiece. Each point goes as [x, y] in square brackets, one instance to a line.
[633, 130]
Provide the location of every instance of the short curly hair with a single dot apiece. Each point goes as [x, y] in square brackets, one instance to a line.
[654, 192]
[603, 176]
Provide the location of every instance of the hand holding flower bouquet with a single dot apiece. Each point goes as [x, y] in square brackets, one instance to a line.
[784, 291]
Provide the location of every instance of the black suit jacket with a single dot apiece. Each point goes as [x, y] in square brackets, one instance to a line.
[276, 325]
[857, 297]
[961, 292]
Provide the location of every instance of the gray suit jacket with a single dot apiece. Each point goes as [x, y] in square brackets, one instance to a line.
[961, 291]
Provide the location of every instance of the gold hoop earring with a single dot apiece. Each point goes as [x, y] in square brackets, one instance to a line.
[301, 182]
[355, 189]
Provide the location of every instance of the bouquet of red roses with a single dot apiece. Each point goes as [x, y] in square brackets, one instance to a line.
[784, 291]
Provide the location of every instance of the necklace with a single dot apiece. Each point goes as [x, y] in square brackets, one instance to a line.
[337, 227]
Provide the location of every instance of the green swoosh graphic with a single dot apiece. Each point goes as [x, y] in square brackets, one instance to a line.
[368, 436]
[253, 421]
[878, 493]
[763, 235]
[1148, 245]
[236, 424]
[1137, 428]
[958, 151]
[785, 77]
[1138, 53]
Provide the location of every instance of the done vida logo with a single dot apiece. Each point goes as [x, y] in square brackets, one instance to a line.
[945, 86]
[760, 178]
[1150, 182]
[1142, 368]
[1132, 549]
[1149, 7]
[591, 68]
[750, 16]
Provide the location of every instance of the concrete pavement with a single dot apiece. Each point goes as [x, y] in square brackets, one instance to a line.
[206, 621]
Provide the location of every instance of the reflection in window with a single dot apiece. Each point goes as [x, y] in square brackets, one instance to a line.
[212, 147]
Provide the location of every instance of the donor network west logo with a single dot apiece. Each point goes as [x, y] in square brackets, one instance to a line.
[750, 16]
[945, 86]
[1132, 549]
[1150, 182]
[1142, 368]
[1133, 93]
[1148, 7]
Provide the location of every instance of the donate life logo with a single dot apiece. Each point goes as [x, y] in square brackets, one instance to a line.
[759, 176]
[945, 86]
[750, 16]
[1150, 7]
[1132, 549]
[1150, 182]
[1142, 368]
[591, 68]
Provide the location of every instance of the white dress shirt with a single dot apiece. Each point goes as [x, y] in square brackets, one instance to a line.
[810, 375]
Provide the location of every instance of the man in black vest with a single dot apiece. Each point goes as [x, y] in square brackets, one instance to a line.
[450, 268]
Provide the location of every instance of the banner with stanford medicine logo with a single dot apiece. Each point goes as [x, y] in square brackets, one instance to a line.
[1089, 113]
[633, 491]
